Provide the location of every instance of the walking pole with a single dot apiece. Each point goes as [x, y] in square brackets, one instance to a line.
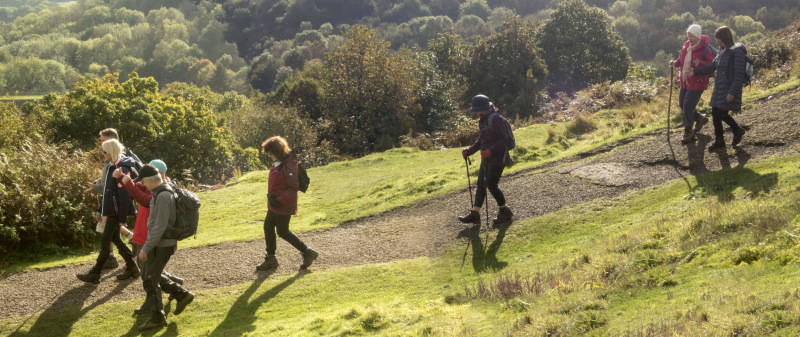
[468, 162]
[669, 103]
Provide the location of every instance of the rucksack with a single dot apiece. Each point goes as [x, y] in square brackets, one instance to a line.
[187, 215]
[713, 52]
[302, 178]
[512, 142]
[137, 164]
[748, 68]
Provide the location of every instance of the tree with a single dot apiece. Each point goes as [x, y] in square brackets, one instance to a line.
[508, 67]
[478, 8]
[580, 48]
[370, 95]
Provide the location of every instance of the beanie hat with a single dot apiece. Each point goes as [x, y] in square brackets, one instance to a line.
[695, 30]
[480, 103]
[159, 164]
[148, 171]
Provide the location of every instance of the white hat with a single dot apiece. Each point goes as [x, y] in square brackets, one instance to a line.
[695, 30]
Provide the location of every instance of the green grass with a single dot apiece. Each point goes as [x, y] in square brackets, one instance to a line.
[640, 263]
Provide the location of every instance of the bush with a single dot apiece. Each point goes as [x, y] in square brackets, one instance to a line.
[581, 124]
[41, 197]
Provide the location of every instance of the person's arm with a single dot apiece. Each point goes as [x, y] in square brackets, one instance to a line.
[137, 191]
[706, 69]
[499, 129]
[735, 88]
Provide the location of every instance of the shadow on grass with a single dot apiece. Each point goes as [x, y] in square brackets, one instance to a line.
[484, 257]
[733, 174]
[242, 315]
[61, 315]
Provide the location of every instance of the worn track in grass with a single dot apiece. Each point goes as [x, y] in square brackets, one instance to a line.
[424, 229]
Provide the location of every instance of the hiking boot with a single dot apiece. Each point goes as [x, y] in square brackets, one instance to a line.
[698, 125]
[717, 146]
[173, 278]
[89, 277]
[688, 136]
[473, 217]
[130, 272]
[111, 263]
[504, 215]
[141, 310]
[151, 325]
[308, 257]
[737, 136]
[183, 302]
[270, 262]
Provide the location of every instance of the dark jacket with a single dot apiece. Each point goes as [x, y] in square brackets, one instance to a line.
[116, 200]
[726, 82]
[494, 139]
[283, 184]
[696, 82]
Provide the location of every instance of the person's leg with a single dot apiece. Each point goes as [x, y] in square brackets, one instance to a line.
[270, 262]
[123, 249]
[175, 290]
[690, 101]
[738, 132]
[105, 244]
[682, 106]
[719, 136]
[480, 195]
[492, 180]
[156, 260]
[282, 226]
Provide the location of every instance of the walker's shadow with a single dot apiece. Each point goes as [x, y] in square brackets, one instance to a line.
[484, 258]
[722, 183]
[242, 314]
[61, 315]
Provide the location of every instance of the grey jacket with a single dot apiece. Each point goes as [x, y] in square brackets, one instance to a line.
[724, 82]
[98, 188]
[162, 214]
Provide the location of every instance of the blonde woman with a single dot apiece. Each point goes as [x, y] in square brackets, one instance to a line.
[116, 206]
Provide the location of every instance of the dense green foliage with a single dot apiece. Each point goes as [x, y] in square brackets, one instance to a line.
[41, 199]
[580, 48]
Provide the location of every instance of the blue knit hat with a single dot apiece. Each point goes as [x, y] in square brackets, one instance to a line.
[159, 164]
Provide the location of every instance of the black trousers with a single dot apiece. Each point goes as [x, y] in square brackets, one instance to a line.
[111, 234]
[720, 116]
[154, 282]
[280, 223]
[489, 177]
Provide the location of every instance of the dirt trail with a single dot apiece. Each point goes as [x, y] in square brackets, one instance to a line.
[773, 127]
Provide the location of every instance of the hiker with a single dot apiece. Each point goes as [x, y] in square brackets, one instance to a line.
[156, 251]
[492, 144]
[282, 203]
[96, 187]
[116, 206]
[696, 52]
[728, 81]
[139, 234]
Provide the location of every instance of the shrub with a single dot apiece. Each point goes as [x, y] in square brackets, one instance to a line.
[581, 124]
[41, 197]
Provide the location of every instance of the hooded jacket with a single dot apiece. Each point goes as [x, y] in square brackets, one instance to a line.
[695, 82]
[116, 200]
[726, 82]
[494, 139]
[284, 184]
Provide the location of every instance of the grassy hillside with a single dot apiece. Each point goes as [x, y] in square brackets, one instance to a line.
[669, 259]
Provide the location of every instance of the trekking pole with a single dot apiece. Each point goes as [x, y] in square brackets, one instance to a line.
[468, 162]
[669, 103]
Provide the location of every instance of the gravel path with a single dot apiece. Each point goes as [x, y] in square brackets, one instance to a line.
[773, 127]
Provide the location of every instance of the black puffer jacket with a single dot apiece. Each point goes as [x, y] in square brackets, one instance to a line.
[726, 82]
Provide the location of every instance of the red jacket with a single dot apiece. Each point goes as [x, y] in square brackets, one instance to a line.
[283, 184]
[696, 82]
[142, 196]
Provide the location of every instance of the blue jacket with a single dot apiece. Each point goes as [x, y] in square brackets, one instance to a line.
[724, 82]
[116, 200]
[494, 139]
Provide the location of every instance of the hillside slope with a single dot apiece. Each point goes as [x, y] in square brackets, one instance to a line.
[429, 228]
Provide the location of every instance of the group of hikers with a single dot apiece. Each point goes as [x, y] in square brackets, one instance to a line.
[696, 61]
[156, 212]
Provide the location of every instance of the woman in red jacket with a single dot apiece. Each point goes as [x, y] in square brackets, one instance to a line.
[282, 202]
[696, 52]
